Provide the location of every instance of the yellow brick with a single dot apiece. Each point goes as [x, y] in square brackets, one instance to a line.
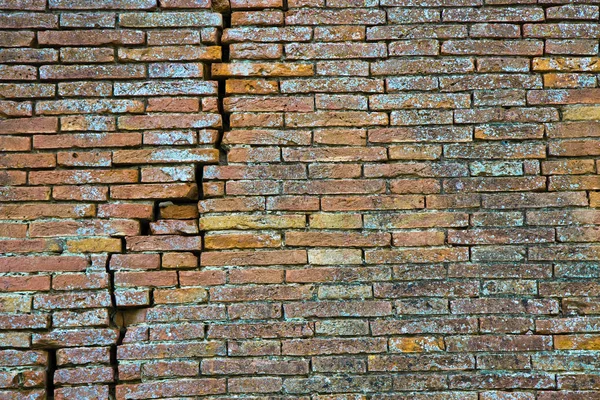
[94, 245]
[581, 113]
[577, 342]
[335, 221]
[334, 256]
[252, 222]
[417, 344]
[180, 296]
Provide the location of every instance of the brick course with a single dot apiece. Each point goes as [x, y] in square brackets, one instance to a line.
[299, 199]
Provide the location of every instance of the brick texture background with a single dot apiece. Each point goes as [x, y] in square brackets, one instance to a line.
[301, 199]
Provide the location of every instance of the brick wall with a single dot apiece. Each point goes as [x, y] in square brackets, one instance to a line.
[301, 199]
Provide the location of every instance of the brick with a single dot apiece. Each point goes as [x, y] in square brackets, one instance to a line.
[250, 222]
[337, 239]
[171, 53]
[146, 352]
[335, 155]
[409, 67]
[157, 191]
[254, 311]
[262, 69]
[492, 236]
[298, 51]
[184, 313]
[88, 228]
[499, 343]
[162, 156]
[337, 118]
[256, 348]
[15, 303]
[93, 38]
[436, 289]
[255, 385]
[509, 132]
[492, 151]
[420, 362]
[560, 30]
[333, 346]
[33, 56]
[23, 20]
[255, 51]
[504, 380]
[505, 14]
[493, 47]
[16, 357]
[316, 17]
[254, 366]
[103, 5]
[179, 260]
[575, 64]
[190, 387]
[125, 210]
[42, 263]
[29, 125]
[253, 258]
[88, 123]
[256, 275]
[337, 384]
[567, 80]
[72, 72]
[83, 337]
[266, 34]
[411, 134]
[258, 293]
[80, 281]
[23, 160]
[416, 220]
[169, 121]
[502, 306]
[416, 344]
[337, 274]
[163, 243]
[25, 283]
[82, 355]
[569, 11]
[267, 137]
[271, 330]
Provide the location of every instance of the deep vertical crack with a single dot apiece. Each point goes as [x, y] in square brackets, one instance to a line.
[222, 91]
[115, 321]
[50, 370]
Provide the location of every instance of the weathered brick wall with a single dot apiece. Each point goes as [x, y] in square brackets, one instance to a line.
[301, 199]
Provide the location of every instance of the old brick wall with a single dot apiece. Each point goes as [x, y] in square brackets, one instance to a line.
[301, 199]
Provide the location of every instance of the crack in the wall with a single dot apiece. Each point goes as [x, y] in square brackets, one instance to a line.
[116, 321]
[118, 315]
[222, 90]
[50, 371]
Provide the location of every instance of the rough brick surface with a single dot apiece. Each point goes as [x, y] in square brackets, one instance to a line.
[299, 199]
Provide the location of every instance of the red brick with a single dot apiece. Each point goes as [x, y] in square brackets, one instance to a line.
[90, 38]
[201, 278]
[163, 243]
[171, 388]
[149, 278]
[80, 281]
[29, 125]
[43, 264]
[24, 283]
